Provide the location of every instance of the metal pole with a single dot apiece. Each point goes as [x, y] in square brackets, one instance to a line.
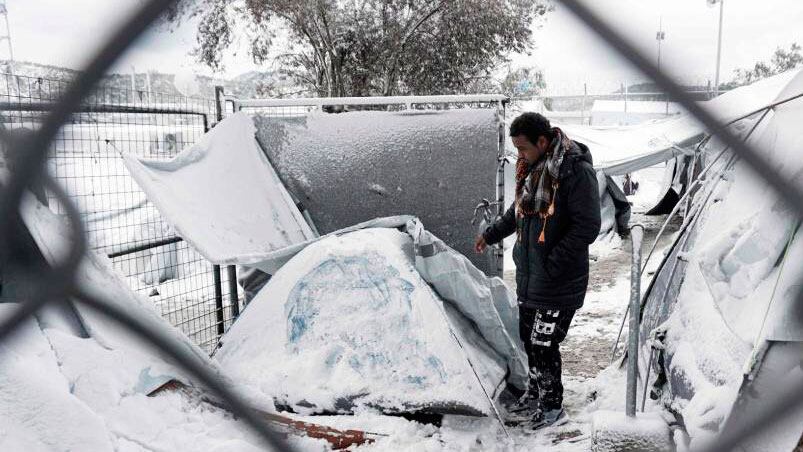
[636, 234]
[585, 96]
[219, 100]
[719, 48]
[659, 53]
[145, 246]
[218, 280]
[234, 298]
[624, 90]
[8, 37]
[218, 300]
[499, 252]
[660, 36]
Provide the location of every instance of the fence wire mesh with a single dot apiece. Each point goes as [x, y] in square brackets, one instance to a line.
[120, 222]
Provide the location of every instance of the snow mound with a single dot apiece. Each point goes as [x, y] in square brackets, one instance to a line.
[614, 431]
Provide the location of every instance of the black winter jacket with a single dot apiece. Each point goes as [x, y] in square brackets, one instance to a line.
[554, 274]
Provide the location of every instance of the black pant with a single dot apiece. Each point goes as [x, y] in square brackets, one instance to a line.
[542, 331]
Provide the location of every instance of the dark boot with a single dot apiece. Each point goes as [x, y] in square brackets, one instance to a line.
[549, 418]
[526, 408]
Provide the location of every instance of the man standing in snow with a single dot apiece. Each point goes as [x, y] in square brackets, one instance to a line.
[556, 216]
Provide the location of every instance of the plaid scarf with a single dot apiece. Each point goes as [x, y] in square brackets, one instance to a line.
[536, 184]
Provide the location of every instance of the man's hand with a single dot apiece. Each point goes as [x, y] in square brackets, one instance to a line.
[480, 245]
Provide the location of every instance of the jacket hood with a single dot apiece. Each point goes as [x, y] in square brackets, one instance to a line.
[577, 152]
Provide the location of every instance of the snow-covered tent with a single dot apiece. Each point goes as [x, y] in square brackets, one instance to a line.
[71, 379]
[383, 315]
[723, 303]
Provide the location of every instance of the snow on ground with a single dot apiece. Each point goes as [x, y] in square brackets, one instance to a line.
[59, 391]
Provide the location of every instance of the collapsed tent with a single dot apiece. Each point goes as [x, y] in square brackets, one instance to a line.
[352, 321]
[71, 379]
[722, 313]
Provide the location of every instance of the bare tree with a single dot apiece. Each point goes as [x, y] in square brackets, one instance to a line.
[782, 60]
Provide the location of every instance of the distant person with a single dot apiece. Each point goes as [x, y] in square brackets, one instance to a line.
[556, 216]
[630, 187]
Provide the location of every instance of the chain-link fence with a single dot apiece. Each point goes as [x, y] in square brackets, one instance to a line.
[121, 223]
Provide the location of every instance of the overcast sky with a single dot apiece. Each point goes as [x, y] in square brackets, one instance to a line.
[65, 32]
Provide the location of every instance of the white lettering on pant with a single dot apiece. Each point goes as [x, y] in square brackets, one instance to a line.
[543, 328]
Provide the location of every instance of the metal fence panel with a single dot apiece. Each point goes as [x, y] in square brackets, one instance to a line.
[120, 222]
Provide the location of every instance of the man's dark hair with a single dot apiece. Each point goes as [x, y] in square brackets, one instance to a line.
[532, 126]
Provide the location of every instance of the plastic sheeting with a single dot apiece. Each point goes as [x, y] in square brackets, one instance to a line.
[96, 276]
[488, 302]
[780, 367]
[223, 196]
[614, 207]
[351, 167]
[622, 150]
[351, 320]
[728, 285]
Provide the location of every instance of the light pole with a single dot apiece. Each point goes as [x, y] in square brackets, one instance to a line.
[719, 42]
[660, 36]
[7, 36]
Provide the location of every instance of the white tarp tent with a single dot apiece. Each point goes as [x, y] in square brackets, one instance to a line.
[352, 320]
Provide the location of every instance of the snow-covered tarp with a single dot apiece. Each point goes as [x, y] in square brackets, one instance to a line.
[228, 194]
[223, 196]
[384, 317]
[726, 292]
[352, 167]
[625, 149]
[72, 379]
